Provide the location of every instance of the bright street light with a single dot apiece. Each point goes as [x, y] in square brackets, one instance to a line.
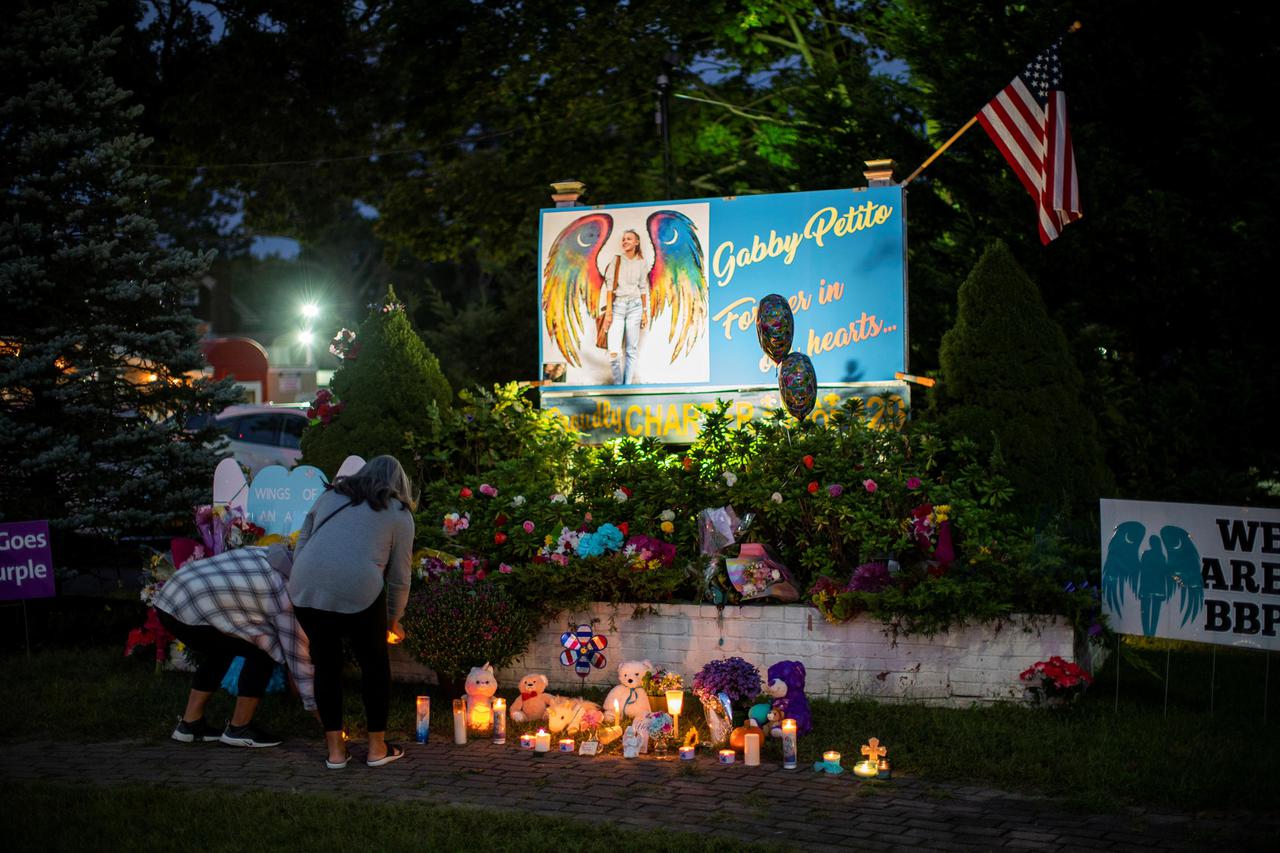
[310, 310]
[306, 337]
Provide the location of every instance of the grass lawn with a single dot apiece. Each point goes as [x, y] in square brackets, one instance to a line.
[149, 817]
[1093, 755]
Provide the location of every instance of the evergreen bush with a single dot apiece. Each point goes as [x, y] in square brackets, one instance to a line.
[99, 357]
[1010, 384]
[391, 390]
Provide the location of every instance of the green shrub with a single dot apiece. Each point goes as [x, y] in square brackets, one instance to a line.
[1009, 382]
[389, 387]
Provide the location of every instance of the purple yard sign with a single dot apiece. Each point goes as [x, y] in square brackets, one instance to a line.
[26, 560]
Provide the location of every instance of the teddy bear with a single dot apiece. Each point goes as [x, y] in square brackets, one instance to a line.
[786, 686]
[627, 698]
[481, 685]
[533, 701]
[571, 715]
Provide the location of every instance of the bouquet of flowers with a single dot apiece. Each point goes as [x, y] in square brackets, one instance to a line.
[754, 574]
[1056, 681]
[658, 683]
[344, 345]
[659, 727]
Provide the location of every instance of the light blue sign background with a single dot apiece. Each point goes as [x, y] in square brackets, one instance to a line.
[280, 499]
[861, 272]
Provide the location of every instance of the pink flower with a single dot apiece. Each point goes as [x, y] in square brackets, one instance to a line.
[528, 527]
[913, 483]
[870, 485]
[488, 491]
[505, 569]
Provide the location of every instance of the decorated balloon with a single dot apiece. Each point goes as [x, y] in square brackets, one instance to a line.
[775, 326]
[583, 649]
[797, 384]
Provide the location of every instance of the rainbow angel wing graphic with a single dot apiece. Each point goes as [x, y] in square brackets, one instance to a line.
[677, 280]
[572, 277]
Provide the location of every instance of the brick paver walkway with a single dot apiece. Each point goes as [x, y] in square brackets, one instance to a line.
[798, 809]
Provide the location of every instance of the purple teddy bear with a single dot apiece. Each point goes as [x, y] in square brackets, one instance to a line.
[786, 686]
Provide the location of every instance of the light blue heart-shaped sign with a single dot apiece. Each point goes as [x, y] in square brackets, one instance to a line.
[280, 499]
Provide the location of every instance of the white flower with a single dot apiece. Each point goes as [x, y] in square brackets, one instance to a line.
[620, 496]
[776, 497]
[776, 575]
[667, 515]
[518, 500]
[730, 478]
[558, 498]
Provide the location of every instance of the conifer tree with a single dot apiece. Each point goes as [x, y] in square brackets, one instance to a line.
[97, 349]
[1008, 378]
[389, 384]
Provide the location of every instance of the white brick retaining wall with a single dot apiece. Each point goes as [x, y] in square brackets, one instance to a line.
[857, 659]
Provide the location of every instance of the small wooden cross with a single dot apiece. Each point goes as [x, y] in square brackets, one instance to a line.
[873, 750]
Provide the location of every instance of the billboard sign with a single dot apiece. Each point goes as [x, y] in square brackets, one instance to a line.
[690, 275]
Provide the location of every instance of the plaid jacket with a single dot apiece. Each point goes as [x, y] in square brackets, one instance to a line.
[238, 593]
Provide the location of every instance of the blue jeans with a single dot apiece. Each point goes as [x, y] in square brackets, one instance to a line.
[624, 339]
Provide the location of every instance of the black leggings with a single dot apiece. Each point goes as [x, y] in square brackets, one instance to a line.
[367, 632]
[218, 650]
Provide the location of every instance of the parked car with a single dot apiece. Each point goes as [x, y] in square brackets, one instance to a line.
[260, 435]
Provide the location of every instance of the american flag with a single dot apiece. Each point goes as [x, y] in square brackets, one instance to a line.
[1028, 123]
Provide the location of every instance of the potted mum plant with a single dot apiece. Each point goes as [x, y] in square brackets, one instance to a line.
[656, 684]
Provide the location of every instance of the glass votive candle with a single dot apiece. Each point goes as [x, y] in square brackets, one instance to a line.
[727, 756]
[527, 740]
[831, 756]
[567, 744]
[688, 753]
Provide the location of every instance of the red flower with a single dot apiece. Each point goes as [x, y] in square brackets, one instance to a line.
[626, 492]
[808, 462]
[813, 487]
[465, 493]
[624, 528]
[687, 463]
[480, 575]
[499, 537]
[501, 519]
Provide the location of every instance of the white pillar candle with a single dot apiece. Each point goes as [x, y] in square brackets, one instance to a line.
[789, 761]
[499, 721]
[459, 721]
[542, 741]
[751, 749]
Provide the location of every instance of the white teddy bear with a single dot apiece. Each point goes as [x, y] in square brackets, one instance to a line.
[628, 698]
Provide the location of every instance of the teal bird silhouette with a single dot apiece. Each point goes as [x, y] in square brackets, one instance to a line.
[1120, 569]
[1183, 564]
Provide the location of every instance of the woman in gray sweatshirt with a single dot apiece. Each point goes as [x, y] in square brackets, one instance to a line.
[351, 579]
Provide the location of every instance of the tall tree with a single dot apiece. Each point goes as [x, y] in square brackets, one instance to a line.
[99, 355]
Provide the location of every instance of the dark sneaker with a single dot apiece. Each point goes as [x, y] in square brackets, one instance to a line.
[247, 736]
[197, 732]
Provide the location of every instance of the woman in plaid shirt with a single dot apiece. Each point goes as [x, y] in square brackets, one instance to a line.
[235, 604]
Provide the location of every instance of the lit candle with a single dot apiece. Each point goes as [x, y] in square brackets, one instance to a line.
[499, 721]
[726, 756]
[617, 712]
[566, 744]
[542, 741]
[882, 769]
[459, 721]
[481, 714]
[866, 769]
[789, 744]
[423, 730]
[688, 753]
[526, 740]
[675, 702]
[751, 749]
[831, 756]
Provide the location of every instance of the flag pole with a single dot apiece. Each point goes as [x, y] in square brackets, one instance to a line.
[1075, 26]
